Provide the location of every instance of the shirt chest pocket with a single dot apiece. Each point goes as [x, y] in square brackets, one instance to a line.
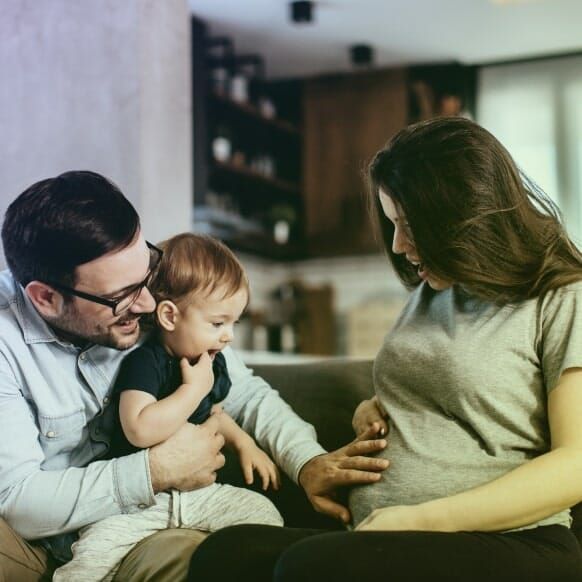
[61, 434]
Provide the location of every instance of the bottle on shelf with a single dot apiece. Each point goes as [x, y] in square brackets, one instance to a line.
[222, 144]
[239, 88]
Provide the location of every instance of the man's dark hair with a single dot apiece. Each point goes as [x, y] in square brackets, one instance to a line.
[60, 223]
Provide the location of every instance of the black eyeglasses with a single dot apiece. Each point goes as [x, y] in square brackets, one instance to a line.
[122, 303]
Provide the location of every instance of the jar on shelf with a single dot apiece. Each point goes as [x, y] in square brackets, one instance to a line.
[222, 145]
[220, 80]
[239, 88]
[267, 108]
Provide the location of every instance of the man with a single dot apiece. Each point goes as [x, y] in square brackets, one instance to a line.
[70, 307]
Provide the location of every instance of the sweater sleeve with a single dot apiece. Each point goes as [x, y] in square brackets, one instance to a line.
[262, 413]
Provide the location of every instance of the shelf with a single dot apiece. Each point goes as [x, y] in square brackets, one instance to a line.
[248, 174]
[250, 240]
[255, 113]
[265, 247]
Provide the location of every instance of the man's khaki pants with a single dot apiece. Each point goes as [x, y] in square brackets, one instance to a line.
[165, 556]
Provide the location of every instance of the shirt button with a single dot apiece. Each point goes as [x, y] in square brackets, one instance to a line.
[106, 400]
[82, 357]
[51, 434]
[142, 506]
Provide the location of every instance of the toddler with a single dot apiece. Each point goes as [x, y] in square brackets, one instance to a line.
[180, 375]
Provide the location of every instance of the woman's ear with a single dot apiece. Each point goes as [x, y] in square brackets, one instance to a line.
[48, 301]
[167, 313]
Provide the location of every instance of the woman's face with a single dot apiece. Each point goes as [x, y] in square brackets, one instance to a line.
[403, 242]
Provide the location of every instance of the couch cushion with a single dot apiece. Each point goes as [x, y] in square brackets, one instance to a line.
[324, 393]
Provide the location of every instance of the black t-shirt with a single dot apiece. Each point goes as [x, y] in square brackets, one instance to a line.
[151, 369]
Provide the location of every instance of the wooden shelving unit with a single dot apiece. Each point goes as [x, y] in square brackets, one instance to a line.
[260, 176]
[255, 113]
[248, 174]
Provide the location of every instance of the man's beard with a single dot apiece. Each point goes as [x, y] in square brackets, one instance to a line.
[73, 327]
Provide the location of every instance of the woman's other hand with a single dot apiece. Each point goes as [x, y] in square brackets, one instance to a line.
[396, 518]
[370, 415]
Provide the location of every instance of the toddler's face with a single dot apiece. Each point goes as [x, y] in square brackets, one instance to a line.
[208, 324]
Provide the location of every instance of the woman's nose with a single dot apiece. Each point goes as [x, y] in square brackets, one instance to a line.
[400, 243]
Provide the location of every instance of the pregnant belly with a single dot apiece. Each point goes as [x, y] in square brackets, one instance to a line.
[417, 476]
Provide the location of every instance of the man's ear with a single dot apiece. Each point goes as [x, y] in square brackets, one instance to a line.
[48, 301]
[167, 313]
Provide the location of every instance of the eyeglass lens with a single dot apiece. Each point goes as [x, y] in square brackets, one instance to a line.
[128, 301]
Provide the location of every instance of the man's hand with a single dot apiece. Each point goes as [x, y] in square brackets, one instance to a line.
[370, 415]
[321, 476]
[189, 459]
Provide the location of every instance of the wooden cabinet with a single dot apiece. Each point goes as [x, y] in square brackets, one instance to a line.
[346, 120]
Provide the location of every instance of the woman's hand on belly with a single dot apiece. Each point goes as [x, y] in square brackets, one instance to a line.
[370, 415]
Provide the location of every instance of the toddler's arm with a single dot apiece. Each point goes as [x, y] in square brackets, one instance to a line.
[147, 421]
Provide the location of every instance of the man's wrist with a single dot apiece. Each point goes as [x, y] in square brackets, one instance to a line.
[158, 477]
[304, 470]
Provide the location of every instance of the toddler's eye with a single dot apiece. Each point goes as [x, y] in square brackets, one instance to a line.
[217, 324]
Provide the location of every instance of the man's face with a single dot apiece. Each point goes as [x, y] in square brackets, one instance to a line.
[108, 276]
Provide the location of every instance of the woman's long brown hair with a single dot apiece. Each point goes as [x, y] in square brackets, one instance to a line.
[475, 218]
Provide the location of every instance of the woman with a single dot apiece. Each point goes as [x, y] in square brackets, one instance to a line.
[481, 377]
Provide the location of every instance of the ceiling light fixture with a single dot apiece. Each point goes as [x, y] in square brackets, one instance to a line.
[361, 55]
[301, 11]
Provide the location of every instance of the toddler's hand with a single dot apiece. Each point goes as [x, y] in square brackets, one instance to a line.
[216, 409]
[199, 374]
[252, 458]
[370, 414]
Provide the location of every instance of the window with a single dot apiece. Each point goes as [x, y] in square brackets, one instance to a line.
[535, 110]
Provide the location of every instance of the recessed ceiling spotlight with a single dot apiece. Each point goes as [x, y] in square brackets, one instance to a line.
[301, 11]
[505, 2]
[361, 55]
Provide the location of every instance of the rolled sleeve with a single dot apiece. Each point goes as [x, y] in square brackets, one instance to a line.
[261, 412]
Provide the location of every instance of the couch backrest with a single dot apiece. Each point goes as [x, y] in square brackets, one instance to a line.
[326, 394]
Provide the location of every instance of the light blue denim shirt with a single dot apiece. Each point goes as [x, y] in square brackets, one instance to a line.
[51, 396]
[49, 393]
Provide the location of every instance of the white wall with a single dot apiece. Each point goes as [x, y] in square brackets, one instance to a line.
[356, 280]
[101, 85]
[367, 294]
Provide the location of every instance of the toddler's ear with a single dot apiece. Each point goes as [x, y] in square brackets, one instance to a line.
[167, 314]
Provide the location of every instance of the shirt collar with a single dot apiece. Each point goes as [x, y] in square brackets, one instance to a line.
[34, 328]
